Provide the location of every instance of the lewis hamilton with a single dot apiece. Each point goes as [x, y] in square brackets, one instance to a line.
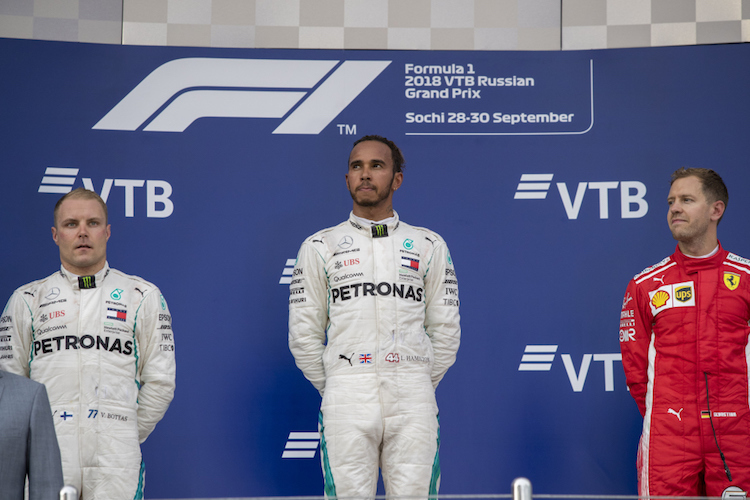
[374, 325]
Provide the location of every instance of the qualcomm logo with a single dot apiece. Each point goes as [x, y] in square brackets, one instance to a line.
[301, 445]
[158, 205]
[539, 358]
[181, 91]
[632, 202]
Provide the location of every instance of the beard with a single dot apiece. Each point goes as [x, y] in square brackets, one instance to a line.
[686, 233]
[372, 201]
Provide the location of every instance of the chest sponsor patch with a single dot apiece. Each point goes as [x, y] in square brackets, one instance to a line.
[409, 277]
[379, 231]
[117, 314]
[410, 263]
[669, 296]
[731, 280]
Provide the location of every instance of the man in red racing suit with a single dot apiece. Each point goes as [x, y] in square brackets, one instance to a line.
[684, 341]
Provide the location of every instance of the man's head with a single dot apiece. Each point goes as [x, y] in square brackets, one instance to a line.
[697, 200]
[396, 156]
[81, 231]
[374, 173]
[83, 194]
[712, 184]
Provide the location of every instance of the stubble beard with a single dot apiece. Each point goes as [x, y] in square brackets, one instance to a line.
[378, 198]
[370, 202]
[688, 233]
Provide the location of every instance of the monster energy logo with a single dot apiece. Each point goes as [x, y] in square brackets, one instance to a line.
[85, 282]
[379, 231]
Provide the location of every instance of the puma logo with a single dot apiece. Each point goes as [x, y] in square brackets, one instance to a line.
[660, 279]
[349, 359]
[627, 299]
[676, 413]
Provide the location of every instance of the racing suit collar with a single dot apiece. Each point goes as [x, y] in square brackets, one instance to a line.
[693, 265]
[73, 278]
[368, 231]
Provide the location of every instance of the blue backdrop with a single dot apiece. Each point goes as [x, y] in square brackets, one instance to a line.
[546, 172]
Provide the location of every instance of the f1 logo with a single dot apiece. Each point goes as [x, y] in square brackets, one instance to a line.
[205, 87]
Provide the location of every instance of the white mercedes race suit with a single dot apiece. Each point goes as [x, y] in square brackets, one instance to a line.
[374, 325]
[103, 346]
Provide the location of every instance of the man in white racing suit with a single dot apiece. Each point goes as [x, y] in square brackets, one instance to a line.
[101, 341]
[374, 325]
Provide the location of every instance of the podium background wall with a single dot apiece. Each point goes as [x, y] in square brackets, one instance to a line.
[214, 213]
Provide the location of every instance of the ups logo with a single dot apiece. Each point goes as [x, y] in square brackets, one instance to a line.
[684, 294]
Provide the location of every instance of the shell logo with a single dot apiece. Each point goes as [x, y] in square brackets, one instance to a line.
[659, 299]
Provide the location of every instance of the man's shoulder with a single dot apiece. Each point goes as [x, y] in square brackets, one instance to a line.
[329, 232]
[662, 265]
[30, 287]
[735, 259]
[423, 231]
[134, 281]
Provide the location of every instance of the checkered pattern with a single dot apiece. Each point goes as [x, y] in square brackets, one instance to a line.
[98, 21]
[349, 24]
[598, 24]
[382, 24]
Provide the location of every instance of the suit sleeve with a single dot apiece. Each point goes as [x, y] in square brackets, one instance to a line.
[442, 320]
[44, 465]
[15, 336]
[308, 314]
[635, 340]
[157, 372]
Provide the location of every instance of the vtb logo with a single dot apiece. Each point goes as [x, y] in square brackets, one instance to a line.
[539, 358]
[183, 90]
[60, 180]
[632, 202]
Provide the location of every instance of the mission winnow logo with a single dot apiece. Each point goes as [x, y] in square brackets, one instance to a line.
[308, 94]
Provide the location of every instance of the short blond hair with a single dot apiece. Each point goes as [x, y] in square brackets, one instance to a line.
[81, 194]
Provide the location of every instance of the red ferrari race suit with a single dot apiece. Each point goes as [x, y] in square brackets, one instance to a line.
[684, 341]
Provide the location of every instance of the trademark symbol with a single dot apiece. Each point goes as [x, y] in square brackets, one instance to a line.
[346, 129]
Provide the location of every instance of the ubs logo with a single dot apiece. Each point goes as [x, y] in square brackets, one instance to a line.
[684, 294]
[350, 262]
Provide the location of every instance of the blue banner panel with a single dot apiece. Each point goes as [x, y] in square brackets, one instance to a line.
[546, 172]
